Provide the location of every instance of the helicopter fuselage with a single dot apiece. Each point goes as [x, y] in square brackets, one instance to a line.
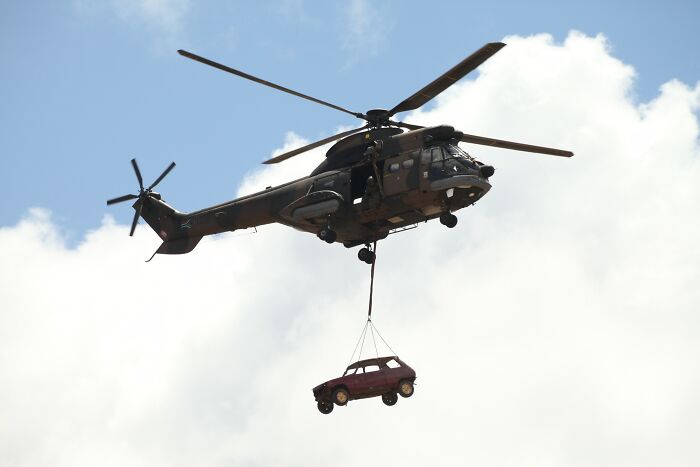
[375, 179]
[396, 181]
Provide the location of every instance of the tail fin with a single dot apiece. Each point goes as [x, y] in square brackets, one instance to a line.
[170, 225]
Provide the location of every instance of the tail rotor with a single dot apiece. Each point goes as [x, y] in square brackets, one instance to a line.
[143, 193]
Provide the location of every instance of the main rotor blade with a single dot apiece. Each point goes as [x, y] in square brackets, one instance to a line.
[308, 147]
[162, 176]
[499, 143]
[448, 78]
[137, 214]
[138, 173]
[225, 68]
[121, 199]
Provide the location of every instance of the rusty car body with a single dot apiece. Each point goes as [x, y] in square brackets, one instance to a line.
[384, 376]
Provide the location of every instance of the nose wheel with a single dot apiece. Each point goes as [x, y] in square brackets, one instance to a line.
[327, 235]
[448, 219]
[366, 255]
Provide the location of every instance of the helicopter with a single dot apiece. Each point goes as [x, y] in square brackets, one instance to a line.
[381, 178]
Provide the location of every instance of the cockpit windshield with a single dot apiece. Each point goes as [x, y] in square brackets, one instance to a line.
[447, 160]
[458, 154]
[456, 151]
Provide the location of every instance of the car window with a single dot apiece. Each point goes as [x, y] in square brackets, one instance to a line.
[370, 368]
[392, 363]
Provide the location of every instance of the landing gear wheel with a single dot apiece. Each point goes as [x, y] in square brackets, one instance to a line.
[327, 235]
[325, 407]
[405, 388]
[449, 220]
[341, 396]
[366, 255]
[390, 398]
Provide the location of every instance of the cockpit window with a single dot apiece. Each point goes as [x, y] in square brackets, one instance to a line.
[437, 155]
[456, 151]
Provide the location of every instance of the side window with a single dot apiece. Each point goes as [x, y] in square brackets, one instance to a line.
[436, 155]
[407, 164]
[394, 167]
[371, 368]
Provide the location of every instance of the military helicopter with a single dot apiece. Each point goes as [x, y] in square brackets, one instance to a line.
[376, 180]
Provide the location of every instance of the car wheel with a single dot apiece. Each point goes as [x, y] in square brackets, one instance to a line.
[341, 396]
[405, 388]
[325, 407]
[390, 398]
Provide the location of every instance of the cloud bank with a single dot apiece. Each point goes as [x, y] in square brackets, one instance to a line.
[556, 325]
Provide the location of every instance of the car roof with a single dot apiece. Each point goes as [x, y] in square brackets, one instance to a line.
[372, 361]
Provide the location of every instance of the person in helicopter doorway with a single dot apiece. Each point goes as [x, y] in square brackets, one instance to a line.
[371, 198]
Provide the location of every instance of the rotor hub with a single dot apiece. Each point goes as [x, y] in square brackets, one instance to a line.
[377, 117]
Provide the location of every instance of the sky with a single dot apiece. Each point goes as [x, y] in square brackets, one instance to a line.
[87, 85]
[556, 324]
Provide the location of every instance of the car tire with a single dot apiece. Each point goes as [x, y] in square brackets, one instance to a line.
[405, 388]
[341, 396]
[389, 398]
[325, 407]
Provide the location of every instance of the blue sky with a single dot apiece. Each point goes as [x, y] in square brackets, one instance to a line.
[87, 85]
[562, 309]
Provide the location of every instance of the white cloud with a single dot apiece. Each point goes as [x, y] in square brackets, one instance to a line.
[556, 325]
[166, 15]
[366, 29]
[164, 19]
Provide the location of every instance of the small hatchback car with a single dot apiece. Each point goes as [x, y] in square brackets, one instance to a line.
[385, 376]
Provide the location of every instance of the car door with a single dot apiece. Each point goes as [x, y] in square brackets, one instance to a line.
[393, 373]
[374, 380]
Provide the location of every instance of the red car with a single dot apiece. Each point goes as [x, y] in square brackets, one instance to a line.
[385, 376]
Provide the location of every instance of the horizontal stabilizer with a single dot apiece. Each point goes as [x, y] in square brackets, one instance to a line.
[178, 246]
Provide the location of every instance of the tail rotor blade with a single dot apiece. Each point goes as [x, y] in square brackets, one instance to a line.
[162, 176]
[137, 214]
[138, 173]
[121, 199]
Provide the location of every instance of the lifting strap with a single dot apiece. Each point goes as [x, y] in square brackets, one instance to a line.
[368, 324]
[371, 282]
